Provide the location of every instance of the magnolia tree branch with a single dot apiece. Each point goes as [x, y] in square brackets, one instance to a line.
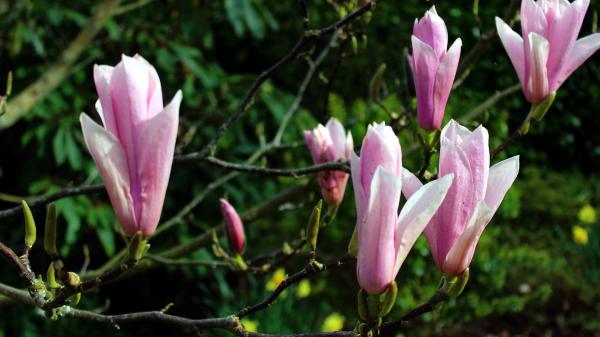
[334, 166]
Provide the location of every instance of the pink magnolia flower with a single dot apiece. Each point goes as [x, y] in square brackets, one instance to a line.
[549, 52]
[433, 68]
[327, 144]
[234, 228]
[472, 200]
[134, 149]
[384, 237]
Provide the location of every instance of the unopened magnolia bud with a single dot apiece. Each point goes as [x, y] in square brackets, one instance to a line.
[30, 231]
[354, 44]
[72, 280]
[389, 299]
[312, 228]
[51, 277]
[137, 246]
[234, 228]
[50, 232]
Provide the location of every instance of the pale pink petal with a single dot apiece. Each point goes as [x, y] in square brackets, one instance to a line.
[425, 65]
[154, 94]
[513, 43]
[157, 145]
[128, 88]
[459, 204]
[102, 78]
[315, 146]
[454, 133]
[431, 29]
[581, 51]
[444, 81]
[338, 137]
[349, 146]
[538, 85]
[359, 194]
[562, 37]
[376, 251]
[380, 147]
[416, 214]
[460, 256]
[502, 176]
[533, 18]
[410, 183]
[476, 147]
[112, 164]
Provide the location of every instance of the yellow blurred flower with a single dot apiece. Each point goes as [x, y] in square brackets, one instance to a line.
[333, 322]
[278, 277]
[580, 235]
[303, 289]
[587, 214]
[250, 325]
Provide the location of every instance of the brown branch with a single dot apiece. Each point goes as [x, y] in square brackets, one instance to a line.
[508, 142]
[48, 198]
[24, 271]
[298, 172]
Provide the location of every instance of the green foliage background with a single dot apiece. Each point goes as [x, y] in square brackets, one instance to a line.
[529, 276]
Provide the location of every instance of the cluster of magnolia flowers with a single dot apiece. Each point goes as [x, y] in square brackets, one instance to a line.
[134, 149]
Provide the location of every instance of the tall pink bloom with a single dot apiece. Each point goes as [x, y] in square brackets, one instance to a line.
[234, 228]
[134, 149]
[327, 144]
[549, 52]
[433, 68]
[384, 237]
[472, 200]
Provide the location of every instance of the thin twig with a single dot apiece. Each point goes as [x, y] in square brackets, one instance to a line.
[46, 199]
[298, 172]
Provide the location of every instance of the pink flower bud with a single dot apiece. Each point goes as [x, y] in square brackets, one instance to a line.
[234, 229]
[549, 52]
[384, 237]
[327, 144]
[134, 149]
[433, 68]
[472, 200]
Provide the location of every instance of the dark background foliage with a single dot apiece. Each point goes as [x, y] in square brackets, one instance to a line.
[531, 276]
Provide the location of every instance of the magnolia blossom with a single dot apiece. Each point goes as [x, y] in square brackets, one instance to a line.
[234, 228]
[384, 237]
[433, 68]
[472, 200]
[134, 149]
[549, 52]
[327, 144]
